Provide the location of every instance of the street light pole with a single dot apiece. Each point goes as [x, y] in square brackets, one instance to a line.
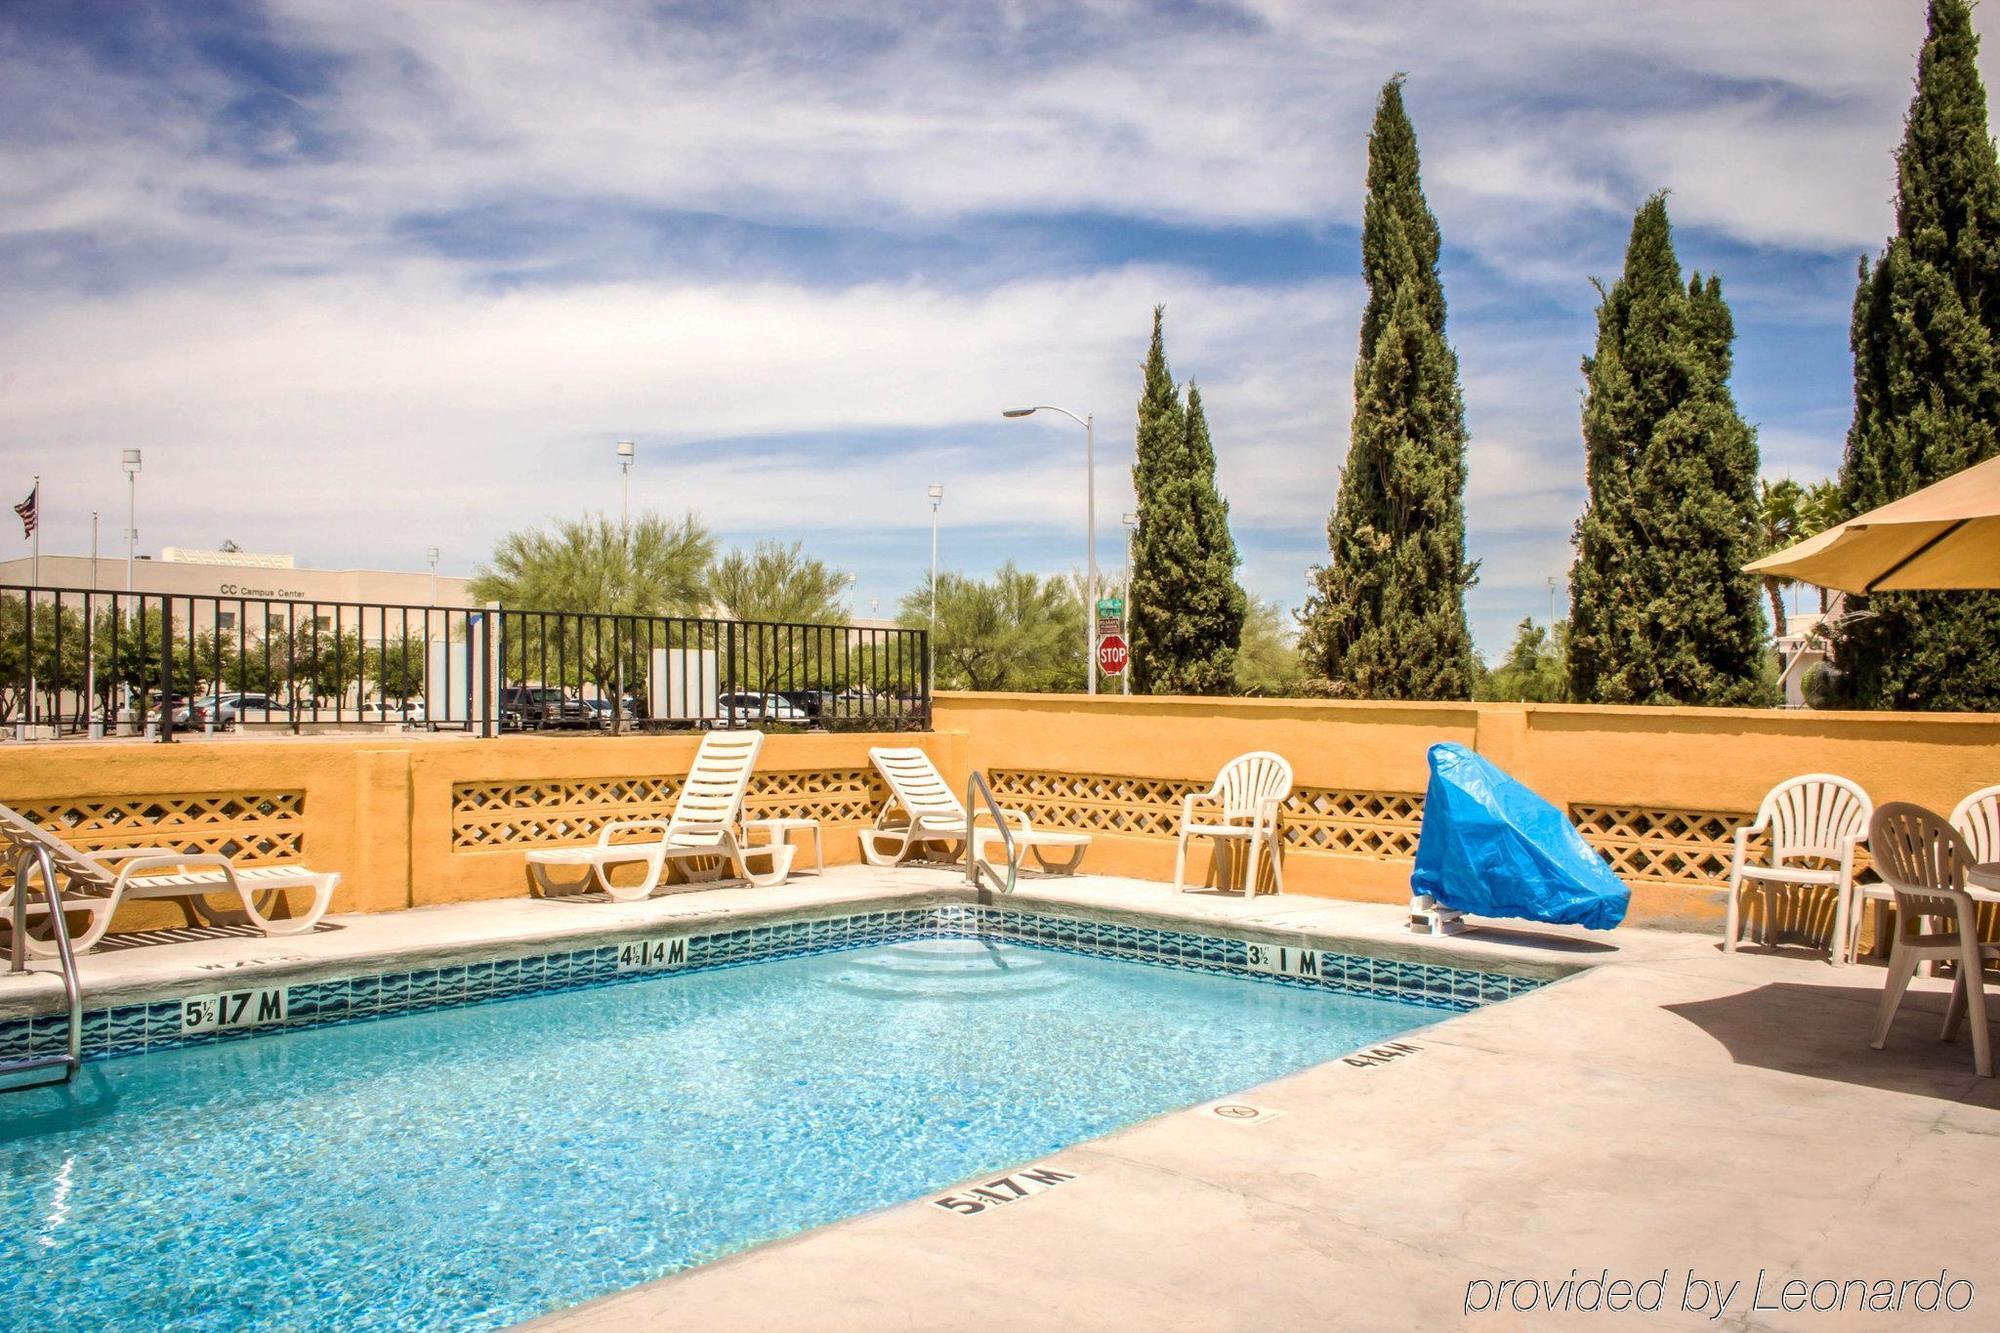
[431, 553]
[626, 449]
[1125, 600]
[931, 641]
[1090, 529]
[131, 513]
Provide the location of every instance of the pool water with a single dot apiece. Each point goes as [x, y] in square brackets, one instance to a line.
[471, 1167]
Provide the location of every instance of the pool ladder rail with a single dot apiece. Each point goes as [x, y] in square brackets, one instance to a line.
[977, 869]
[36, 855]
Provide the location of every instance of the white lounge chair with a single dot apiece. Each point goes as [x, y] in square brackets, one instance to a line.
[922, 812]
[97, 882]
[1924, 860]
[1816, 816]
[1247, 795]
[706, 828]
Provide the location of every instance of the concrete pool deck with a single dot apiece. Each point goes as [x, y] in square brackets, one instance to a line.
[1673, 1109]
[1668, 1108]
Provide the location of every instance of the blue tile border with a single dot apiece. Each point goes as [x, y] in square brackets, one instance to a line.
[157, 1025]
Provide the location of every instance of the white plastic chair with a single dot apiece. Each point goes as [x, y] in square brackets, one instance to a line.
[1817, 816]
[1247, 796]
[706, 826]
[1924, 860]
[1977, 819]
[922, 811]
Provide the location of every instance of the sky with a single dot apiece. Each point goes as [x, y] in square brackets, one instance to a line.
[366, 277]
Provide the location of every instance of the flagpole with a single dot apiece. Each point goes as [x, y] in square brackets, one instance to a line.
[35, 583]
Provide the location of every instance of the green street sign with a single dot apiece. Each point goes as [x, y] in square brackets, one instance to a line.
[1111, 606]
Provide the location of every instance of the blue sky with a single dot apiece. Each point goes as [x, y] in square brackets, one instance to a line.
[364, 278]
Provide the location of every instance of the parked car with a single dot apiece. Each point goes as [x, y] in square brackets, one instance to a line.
[228, 709]
[740, 710]
[537, 707]
[815, 704]
[411, 711]
[182, 709]
[605, 708]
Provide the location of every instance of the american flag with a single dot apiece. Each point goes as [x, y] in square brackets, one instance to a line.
[30, 511]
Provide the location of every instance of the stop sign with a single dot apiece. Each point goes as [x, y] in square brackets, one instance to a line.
[1112, 655]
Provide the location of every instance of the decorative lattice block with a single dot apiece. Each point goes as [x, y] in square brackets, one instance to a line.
[1379, 825]
[1678, 847]
[253, 827]
[487, 815]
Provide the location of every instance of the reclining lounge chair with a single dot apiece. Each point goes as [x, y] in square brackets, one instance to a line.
[706, 827]
[921, 812]
[97, 882]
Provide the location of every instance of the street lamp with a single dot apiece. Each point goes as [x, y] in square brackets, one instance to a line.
[431, 554]
[1131, 522]
[131, 513]
[626, 449]
[1089, 530]
[930, 643]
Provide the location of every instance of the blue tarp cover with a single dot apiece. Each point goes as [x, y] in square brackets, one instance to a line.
[1492, 847]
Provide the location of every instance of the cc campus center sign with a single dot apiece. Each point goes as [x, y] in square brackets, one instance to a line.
[240, 590]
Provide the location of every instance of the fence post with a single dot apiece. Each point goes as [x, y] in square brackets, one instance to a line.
[618, 681]
[492, 642]
[924, 646]
[729, 672]
[167, 668]
[28, 666]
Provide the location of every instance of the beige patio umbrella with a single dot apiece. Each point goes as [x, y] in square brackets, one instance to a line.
[1944, 536]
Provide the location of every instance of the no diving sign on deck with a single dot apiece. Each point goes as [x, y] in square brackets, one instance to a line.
[1233, 1112]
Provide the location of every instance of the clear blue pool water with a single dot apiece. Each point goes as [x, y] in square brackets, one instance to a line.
[468, 1168]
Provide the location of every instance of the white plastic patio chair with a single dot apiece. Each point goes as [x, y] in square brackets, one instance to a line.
[706, 827]
[1815, 816]
[95, 883]
[1923, 860]
[922, 812]
[1247, 796]
[1977, 819]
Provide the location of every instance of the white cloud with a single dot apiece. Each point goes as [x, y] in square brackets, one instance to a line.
[391, 406]
[265, 320]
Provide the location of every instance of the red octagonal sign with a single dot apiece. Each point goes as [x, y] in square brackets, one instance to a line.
[1112, 655]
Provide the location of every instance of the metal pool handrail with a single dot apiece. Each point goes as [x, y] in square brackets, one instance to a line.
[72, 992]
[976, 784]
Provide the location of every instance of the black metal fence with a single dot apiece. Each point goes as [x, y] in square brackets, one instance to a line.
[83, 662]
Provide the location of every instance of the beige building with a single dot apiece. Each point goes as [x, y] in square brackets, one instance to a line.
[1803, 646]
[221, 575]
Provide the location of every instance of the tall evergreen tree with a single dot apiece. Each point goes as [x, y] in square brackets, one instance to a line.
[1661, 610]
[1187, 608]
[1927, 378]
[1385, 618]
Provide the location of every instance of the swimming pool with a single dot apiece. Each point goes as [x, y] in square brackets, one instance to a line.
[473, 1166]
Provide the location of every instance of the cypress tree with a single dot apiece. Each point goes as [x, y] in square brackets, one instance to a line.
[1661, 610]
[1385, 618]
[1927, 379]
[1187, 609]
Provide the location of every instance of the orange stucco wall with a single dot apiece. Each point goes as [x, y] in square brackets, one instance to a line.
[1667, 758]
[380, 810]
